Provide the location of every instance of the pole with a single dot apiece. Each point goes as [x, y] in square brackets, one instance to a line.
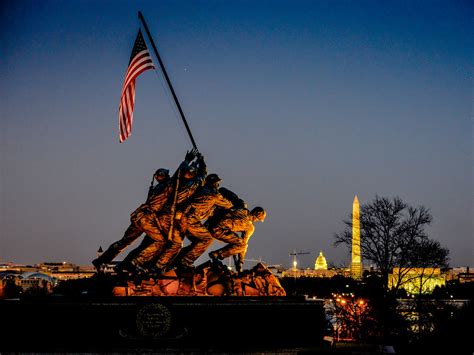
[173, 206]
[150, 189]
[140, 16]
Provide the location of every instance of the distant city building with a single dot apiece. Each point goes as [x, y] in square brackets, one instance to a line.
[39, 278]
[55, 270]
[309, 273]
[461, 274]
[58, 267]
[466, 277]
[37, 283]
[320, 263]
[320, 269]
[417, 280]
[356, 262]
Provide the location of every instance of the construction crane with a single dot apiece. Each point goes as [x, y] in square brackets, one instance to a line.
[259, 260]
[294, 257]
[274, 268]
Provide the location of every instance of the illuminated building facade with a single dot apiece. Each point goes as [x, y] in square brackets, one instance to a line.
[461, 274]
[417, 280]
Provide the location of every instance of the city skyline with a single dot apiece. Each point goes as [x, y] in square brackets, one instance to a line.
[298, 106]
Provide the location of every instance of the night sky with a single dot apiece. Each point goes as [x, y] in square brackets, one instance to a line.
[297, 105]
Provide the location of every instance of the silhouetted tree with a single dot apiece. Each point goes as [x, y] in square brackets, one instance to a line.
[392, 235]
[352, 318]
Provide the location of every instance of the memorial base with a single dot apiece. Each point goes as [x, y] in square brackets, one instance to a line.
[165, 324]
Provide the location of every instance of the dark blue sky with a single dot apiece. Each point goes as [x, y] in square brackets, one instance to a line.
[297, 105]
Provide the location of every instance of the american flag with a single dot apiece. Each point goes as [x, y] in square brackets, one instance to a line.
[140, 61]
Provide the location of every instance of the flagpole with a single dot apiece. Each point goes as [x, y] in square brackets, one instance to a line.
[140, 16]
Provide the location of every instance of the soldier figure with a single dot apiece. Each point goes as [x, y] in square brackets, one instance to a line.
[163, 245]
[226, 229]
[142, 219]
[161, 176]
[199, 208]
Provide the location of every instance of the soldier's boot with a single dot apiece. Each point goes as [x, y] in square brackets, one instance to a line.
[98, 265]
[135, 270]
[125, 268]
[120, 269]
[139, 274]
[215, 257]
[141, 271]
[184, 268]
[238, 267]
[155, 271]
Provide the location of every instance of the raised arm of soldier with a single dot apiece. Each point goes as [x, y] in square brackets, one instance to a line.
[188, 158]
[202, 168]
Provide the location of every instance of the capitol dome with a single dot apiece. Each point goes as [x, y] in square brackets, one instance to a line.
[320, 263]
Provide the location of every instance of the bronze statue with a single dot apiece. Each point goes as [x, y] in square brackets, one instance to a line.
[169, 241]
[226, 228]
[143, 218]
[190, 204]
[186, 206]
[199, 208]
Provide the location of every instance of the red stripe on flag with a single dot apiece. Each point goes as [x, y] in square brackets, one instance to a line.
[140, 63]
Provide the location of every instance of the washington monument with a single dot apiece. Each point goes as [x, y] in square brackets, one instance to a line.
[356, 264]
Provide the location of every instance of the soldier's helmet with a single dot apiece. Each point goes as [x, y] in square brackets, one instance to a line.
[259, 213]
[212, 179]
[190, 172]
[162, 173]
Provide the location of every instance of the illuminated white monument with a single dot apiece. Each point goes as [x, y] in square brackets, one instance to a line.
[356, 264]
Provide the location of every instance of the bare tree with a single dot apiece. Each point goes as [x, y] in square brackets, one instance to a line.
[392, 235]
[352, 318]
